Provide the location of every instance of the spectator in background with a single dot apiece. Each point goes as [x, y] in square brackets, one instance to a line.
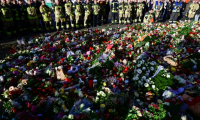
[183, 9]
[150, 5]
[168, 9]
[164, 9]
[197, 15]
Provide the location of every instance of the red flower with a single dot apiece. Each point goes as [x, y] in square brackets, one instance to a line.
[15, 110]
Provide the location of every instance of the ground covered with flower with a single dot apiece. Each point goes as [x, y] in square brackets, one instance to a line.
[138, 72]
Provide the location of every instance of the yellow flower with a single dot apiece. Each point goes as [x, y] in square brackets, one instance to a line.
[28, 64]
[109, 110]
[104, 84]
[63, 90]
[173, 69]
[102, 106]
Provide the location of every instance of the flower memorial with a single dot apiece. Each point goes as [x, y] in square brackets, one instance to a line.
[143, 72]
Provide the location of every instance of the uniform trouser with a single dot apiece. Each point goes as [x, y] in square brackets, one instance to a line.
[9, 27]
[121, 17]
[134, 17]
[49, 25]
[95, 20]
[102, 14]
[91, 21]
[114, 17]
[1, 28]
[34, 24]
[87, 19]
[69, 21]
[168, 13]
[106, 17]
[23, 25]
[78, 21]
[174, 17]
[60, 21]
[138, 16]
[41, 22]
[127, 17]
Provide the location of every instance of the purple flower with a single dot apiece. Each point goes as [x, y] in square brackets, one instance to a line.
[117, 64]
[16, 73]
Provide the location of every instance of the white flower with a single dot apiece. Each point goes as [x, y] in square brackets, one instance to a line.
[147, 80]
[80, 93]
[136, 94]
[146, 84]
[152, 63]
[56, 94]
[82, 106]
[144, 77]
[191, 77]
[11, 88]
[138, 65]
[64, 117]
[151, 68]
[137, 100]
[139, 71]
[71, 116]
[137, 78]
[143, 68]
[168, 75]
[66, 110]
[87, 110]
[167, 103]
[147, 74]
[55, 110]
[153, 86]
[134, 78]
[19, 86]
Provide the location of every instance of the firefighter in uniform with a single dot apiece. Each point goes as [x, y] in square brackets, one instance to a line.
[32, 16]
[175, 11]
[107, 10]
[192, 10]
[102, 13]
[40, 18]
[88, 12]
[121, 12]
[59, 15]
[78, 14]
[140, 8]
[7, 17]
[46, 14]
[10, 5]
[157, 7]
[134, 10]
[128, 11]
[23, 17]
[16, 17]
[96, 9]
[114, 7]
[69, 14]
[149, 17]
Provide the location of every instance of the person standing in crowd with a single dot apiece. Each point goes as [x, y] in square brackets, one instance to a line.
[149, 17]
[37, 6]
[7, 17]
[107, 11]
[121, 12]
[157, 8]
[46, 14]
[32, 16]
[115, 9]
[88, 12]
[59, 15]
[1, 23]
[183, 9]
[10, 5]
[16, 17]
[197, 15]
[23, 17]
[168, 10]
[145, 8]
[139, 15]
[78, 14]
[192, 10]
[150, 5]
[102, 13]
[96, 9]
[69, 15]
[177, 6]
[128, 11]
[91, 15]
[134, 10]
[164, 9]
